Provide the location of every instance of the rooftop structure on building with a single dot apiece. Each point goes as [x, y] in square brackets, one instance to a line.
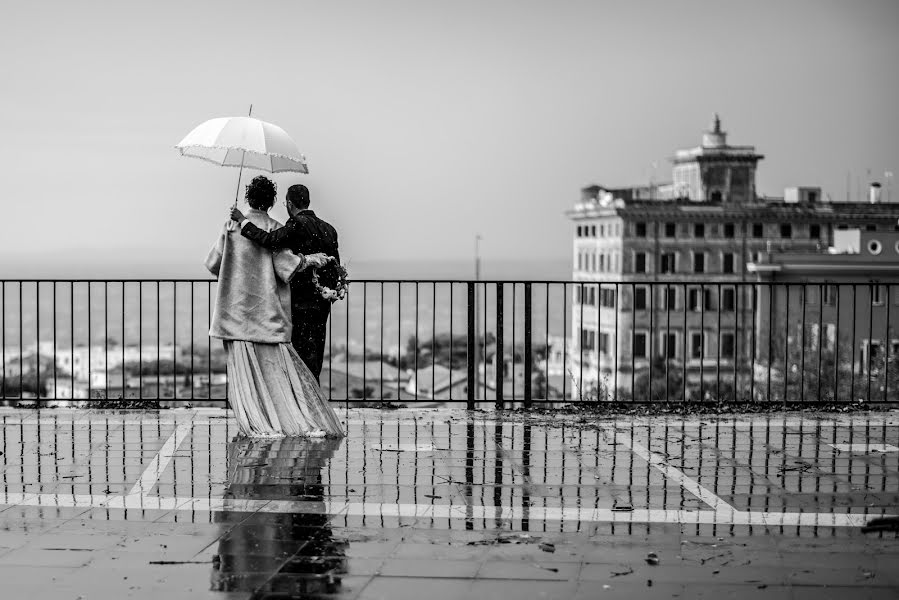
[649, 253]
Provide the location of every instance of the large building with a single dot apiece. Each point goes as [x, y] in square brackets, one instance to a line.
[664, 267]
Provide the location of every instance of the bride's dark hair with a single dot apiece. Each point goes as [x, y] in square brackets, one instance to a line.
[261, 193]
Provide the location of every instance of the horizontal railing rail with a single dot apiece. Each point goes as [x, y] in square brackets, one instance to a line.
[487, 343]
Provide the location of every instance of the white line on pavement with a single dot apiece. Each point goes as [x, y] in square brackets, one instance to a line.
[151, 474]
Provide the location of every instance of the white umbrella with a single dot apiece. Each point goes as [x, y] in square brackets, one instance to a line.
[244, 142]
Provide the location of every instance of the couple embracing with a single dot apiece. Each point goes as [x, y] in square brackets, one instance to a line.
[272, 316]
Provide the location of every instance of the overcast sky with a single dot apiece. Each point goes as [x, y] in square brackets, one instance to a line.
[423, 122]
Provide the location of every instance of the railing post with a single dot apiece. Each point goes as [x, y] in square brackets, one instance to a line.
[498, 356]
[528, 358]
[472, 351]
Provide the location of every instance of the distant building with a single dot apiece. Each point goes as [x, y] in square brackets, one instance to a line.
[660, 265]
[857, 324]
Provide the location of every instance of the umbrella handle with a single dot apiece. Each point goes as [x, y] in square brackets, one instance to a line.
[231, 225]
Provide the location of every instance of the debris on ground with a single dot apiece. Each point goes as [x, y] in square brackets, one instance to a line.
[547, 547]
[652, 559]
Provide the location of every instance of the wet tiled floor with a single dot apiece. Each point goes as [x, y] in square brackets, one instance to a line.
[447, 504]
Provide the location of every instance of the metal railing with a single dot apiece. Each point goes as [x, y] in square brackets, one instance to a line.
[480, 343]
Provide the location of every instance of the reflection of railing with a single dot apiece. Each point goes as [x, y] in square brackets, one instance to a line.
[439, 470]
[414, 341]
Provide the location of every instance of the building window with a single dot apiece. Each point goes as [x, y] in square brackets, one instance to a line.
[640, 344]
[669, 298]
[728, 345]
[879, 294]
[668, 347]
[602, 230]
[830, 295]
[604, 343]
[639, 262]
[728, 299]
[786, 230]
[640, 229]
[607, 297]
[670, 230]
[814, 232]
[580, 231]
[695, 297]
[758, 230]
[727, 262]
[699, 262]
[593, 230]
[588, 339]
[669, 262]
[640, 294]
[602, 262]
[580, 261]
[699, 230]
[729, 230]
[696, 344]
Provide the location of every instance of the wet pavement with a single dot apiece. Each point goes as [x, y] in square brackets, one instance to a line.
[447, 504]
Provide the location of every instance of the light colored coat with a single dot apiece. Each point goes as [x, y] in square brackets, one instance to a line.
[253, 302]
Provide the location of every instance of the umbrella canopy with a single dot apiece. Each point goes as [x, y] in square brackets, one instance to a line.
[244, 142]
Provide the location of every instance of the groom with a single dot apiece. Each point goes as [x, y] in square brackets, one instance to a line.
[304, 233]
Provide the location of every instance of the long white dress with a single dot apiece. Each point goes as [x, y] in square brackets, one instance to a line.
[270, 389]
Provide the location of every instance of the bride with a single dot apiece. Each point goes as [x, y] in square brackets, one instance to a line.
[271, 391]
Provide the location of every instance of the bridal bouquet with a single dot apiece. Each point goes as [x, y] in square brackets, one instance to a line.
[336, 275]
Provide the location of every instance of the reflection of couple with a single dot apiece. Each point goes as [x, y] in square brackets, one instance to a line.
[290, 554]
[271, 317]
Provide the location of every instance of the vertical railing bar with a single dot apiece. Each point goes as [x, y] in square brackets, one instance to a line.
[158, 346]
[617, 306]
[514, 348]
[820, 336]
[415, 364]
[870, 338]
[451, 336]
[786, 370]
[364, 341]
[580, 339]
[564, 340]
[37, 335]
[737, 319]
[192, 309]
[140, 339]
[804, 300]
[471, 352]
[528, 350]
[381, 346]
[208, 340]
[651, 292]
[499, 354]
[483, 355]
[686, 303]
[106, 335]
[434, 343]
[546, 351]
[399, 337]
[55, 379]
[702, 340]
[124, 380]
[887, 343]
[770, 334]
[718, 337]
[836, 350]
[174, 340]
[596, 304]
[665, 344]
[633, 341]
[854, 342]
[346, 307]
[89, 343]
[3, 340]
[752, 351]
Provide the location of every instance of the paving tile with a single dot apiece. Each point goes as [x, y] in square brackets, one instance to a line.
[409, 567]
[415, 588]
[528, 570]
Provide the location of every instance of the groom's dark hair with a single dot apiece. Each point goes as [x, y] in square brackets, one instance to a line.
[298, 196]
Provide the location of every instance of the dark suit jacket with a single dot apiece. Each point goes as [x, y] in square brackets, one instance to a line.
[307, 234]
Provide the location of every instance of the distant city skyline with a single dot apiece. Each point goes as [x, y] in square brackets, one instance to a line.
[423, 124]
